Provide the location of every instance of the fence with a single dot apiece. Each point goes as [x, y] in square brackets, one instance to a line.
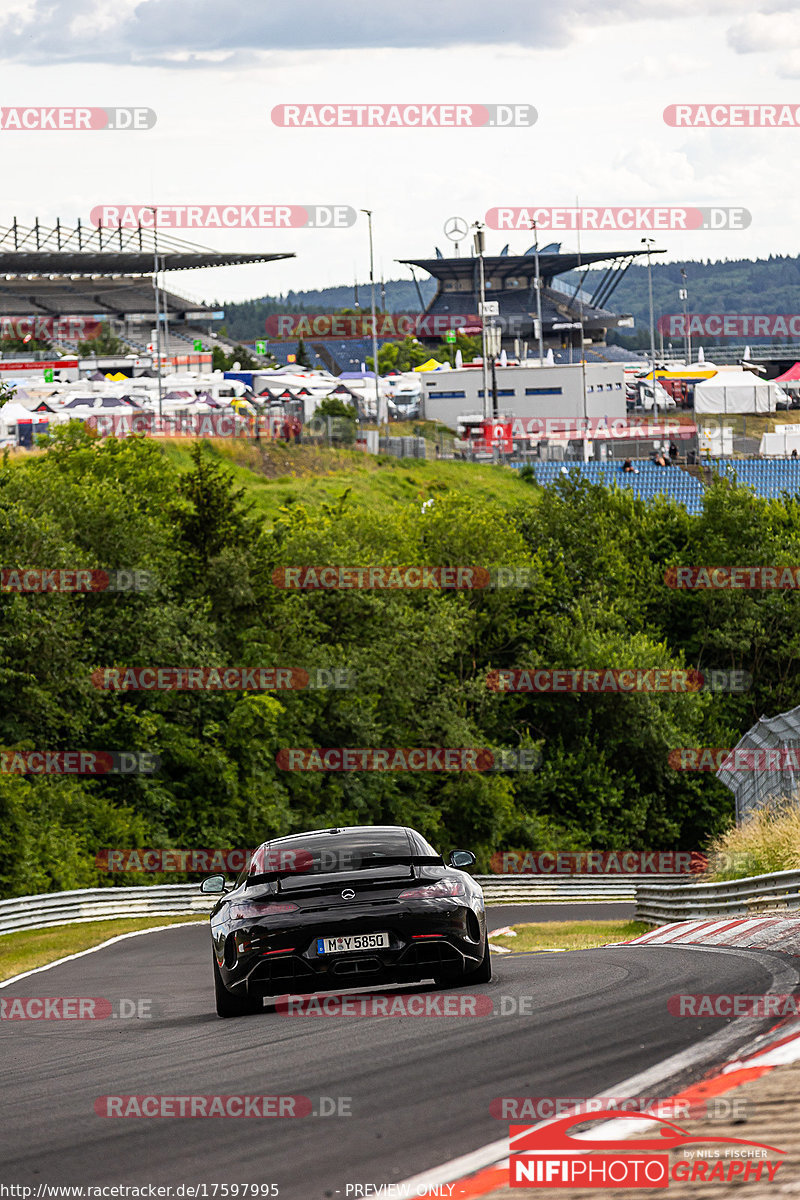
[659, 903]
[176, 899]
[102, 904]
[535, 889]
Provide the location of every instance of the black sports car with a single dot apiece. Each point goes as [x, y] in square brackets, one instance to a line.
[342, 908]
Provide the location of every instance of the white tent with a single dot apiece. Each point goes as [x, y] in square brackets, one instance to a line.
[782, 441]
[736, 392]
[13, 414]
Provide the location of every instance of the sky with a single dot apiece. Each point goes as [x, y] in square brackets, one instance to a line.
[599, 74]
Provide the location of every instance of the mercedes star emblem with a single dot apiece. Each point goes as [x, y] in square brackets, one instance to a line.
[456, 228]
[348, 894]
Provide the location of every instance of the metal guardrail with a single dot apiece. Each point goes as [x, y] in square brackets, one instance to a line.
[534, 889]
[101, 904]
[660, 903]
[176, 899]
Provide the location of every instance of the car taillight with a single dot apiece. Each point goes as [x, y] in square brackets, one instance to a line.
[248, 908]
[435, 891]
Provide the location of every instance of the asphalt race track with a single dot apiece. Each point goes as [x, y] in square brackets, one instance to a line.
[499, 915]
[419, 1088]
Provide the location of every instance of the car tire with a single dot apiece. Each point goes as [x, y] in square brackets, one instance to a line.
[228, 1003]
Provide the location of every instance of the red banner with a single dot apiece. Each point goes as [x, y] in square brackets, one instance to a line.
[9, 364]
[291, 326]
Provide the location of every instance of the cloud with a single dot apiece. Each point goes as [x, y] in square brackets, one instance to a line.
[765, 31]
[204, 33]
[789, 65]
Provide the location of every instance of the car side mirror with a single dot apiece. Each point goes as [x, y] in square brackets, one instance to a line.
[461, 859]
[215, 884]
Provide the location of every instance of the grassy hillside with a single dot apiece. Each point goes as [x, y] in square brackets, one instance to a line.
[281, 475]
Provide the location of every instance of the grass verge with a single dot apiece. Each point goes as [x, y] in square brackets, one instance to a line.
[768, 841]
[569, 935]
[35, 947]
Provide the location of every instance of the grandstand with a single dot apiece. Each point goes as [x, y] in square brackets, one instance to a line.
[60, 283]
[646, 483]
[771, 478]
[510, 280]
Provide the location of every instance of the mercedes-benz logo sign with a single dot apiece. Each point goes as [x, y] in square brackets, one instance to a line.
[456, 228]
[348, 894]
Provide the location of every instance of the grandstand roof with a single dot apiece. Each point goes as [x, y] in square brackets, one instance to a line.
[504, 265]
[90, 250]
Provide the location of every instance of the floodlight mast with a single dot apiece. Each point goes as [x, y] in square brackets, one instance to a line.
[368, 212]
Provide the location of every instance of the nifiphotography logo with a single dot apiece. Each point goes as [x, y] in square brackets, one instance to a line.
[552, 1156]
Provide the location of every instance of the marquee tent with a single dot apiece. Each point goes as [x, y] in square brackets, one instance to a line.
[737, 392]
[790, 379]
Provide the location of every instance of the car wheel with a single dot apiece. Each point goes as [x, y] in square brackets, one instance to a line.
[228, 1003]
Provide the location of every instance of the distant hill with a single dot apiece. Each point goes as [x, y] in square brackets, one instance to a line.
[245, 321]
[769, 285]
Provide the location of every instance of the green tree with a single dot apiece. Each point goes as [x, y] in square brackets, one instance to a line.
[29, 345]
[222, 360]
[336, 406]
[104, 344]
[411, 353]
[301, 356]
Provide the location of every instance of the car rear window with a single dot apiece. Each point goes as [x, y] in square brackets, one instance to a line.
[332, 853]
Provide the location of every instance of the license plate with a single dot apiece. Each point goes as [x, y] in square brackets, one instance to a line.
[356, 941]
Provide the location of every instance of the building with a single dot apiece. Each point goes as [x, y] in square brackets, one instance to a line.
[526, 392]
